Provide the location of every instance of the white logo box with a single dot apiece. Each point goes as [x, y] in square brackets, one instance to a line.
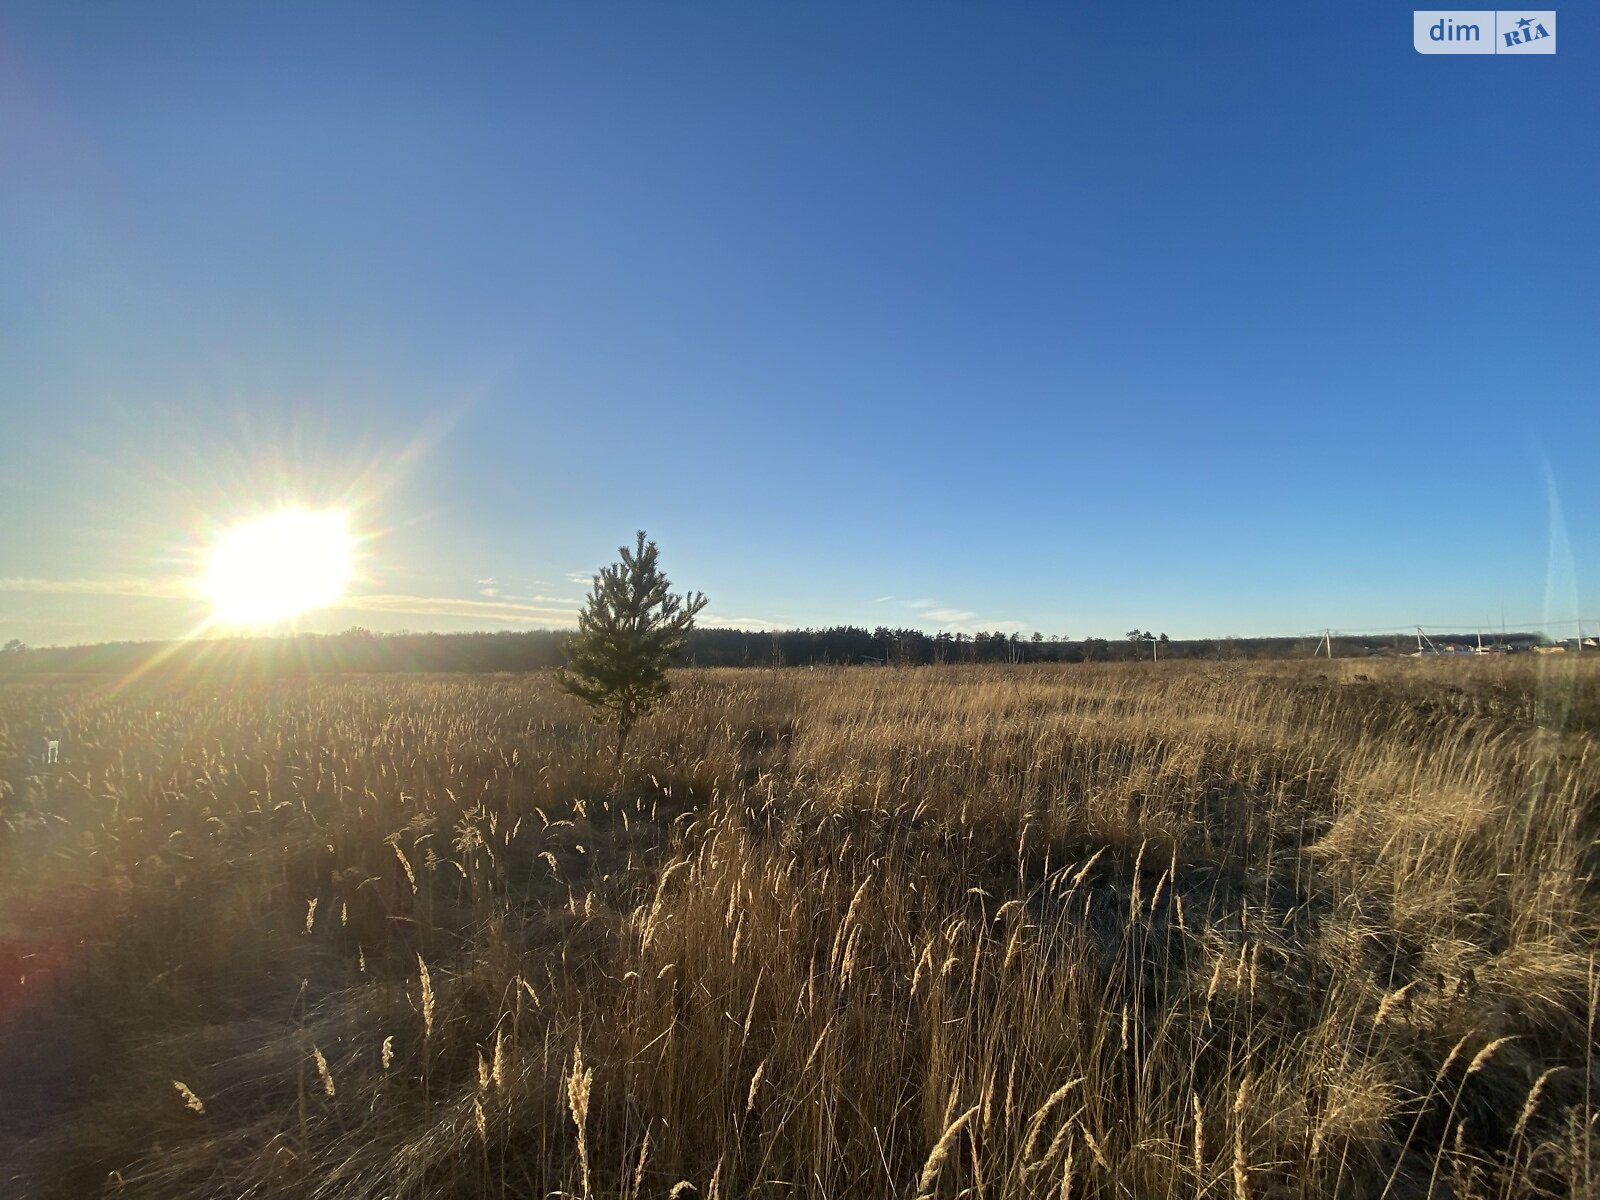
[1484, 31]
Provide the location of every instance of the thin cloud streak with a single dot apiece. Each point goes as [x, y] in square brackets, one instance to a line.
[547, 610]
[114, 585]
[512, 613]
[751, 624]
[553, 611]
[960, 620]
[950, 616]
[448, 606]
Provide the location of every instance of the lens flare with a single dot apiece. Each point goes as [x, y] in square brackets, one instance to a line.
[279, 565]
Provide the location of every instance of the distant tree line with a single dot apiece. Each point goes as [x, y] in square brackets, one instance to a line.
[361, 651]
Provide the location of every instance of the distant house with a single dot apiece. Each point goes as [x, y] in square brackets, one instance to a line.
[1549, 649]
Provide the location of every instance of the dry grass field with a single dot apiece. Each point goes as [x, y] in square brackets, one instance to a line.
[1140, 931]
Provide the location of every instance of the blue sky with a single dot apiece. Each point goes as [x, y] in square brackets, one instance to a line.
[1020, 316]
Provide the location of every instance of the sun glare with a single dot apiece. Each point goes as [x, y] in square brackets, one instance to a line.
[279, 565]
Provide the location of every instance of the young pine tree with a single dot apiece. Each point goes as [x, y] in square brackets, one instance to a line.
[628, 632]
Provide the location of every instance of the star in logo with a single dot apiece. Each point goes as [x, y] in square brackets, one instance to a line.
[1525, 22]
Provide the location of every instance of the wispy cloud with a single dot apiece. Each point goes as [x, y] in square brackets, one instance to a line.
[490, 588]
[449, 606]
[584, 578]
[534, 610]
[961, 620]
[753, 624]
[881, 599]
[526, 610]
[105, 585]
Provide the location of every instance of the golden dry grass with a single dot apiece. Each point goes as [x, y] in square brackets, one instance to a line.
[1091, 931]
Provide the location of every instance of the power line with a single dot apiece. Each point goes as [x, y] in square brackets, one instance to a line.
[1439, 626]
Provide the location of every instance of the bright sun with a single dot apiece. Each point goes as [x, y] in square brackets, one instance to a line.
[279, 565]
